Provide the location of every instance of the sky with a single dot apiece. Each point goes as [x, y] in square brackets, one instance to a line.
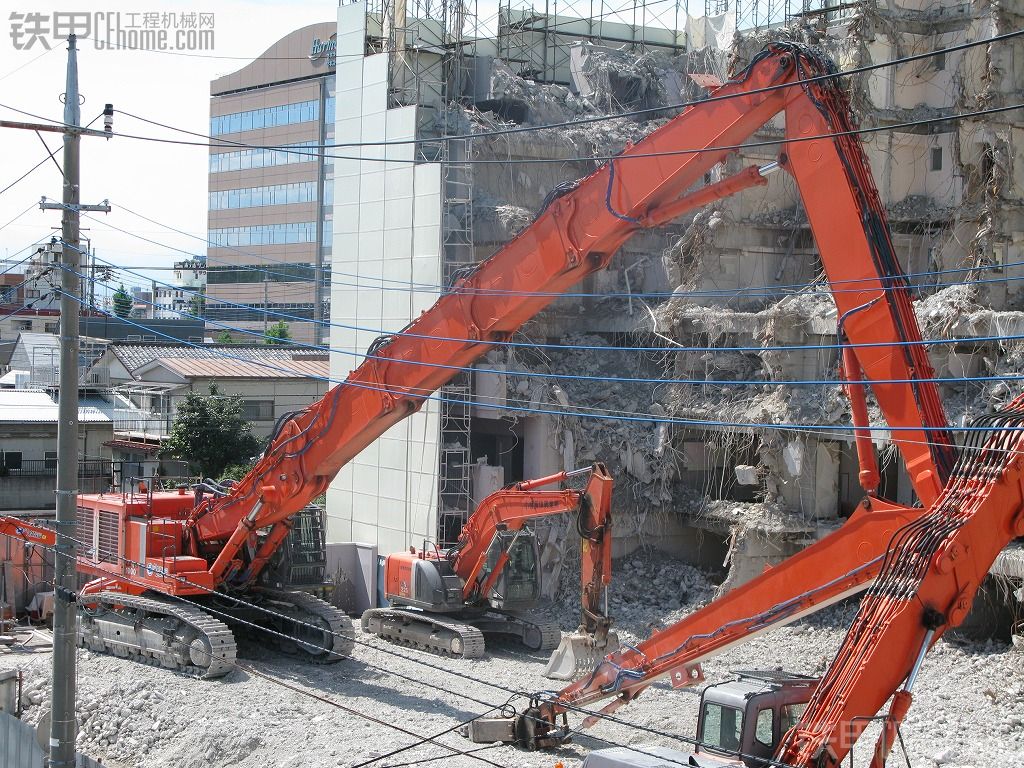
[165, 182]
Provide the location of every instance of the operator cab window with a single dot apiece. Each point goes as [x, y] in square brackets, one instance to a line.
[765, 726]
[722, 728]
[791, 714]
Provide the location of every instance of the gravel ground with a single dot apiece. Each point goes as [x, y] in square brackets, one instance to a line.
[968, 710]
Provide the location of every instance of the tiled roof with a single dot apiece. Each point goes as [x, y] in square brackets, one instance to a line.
[227, 368]
[134, 355]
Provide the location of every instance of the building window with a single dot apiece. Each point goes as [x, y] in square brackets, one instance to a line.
[247, 159]
[270, 117]
[256, 197]
[936, 159]
[23, 325]
[10, 460]
[50, 328]
[258, 410]
[939, 60]
[255, 313]
[50, 461]
[257, 273]
[267, 234]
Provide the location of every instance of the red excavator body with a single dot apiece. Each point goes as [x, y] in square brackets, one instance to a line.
[447, 600]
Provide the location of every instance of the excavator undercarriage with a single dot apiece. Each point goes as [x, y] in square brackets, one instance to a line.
[459, 635]
[199, 637]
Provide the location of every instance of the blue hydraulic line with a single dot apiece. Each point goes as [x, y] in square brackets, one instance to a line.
[641, 419]
[583, 377]
[608, 196]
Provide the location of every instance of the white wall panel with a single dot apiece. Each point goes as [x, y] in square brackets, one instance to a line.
[387, 225]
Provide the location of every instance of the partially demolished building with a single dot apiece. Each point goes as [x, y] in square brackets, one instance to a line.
[722, 450]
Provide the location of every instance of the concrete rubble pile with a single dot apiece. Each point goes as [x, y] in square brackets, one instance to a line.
[135, 716]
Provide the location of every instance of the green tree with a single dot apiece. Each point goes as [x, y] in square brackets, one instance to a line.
[236, 471]
[278, 333]
[122, 302]
[197, 303]
[225, 338]
[210, 433]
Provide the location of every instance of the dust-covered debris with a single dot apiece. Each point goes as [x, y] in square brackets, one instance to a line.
[135, 716]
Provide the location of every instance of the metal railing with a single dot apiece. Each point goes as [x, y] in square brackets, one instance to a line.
[48, 468]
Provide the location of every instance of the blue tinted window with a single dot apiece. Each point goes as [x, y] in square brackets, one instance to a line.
[245, 159]
[269, 234]
[288, 114]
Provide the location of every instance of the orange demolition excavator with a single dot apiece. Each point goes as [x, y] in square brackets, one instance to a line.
[920, 566]
[446, 601]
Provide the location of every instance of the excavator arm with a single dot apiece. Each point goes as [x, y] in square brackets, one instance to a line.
[929, 577]
[834, 568]
[511, 508]
[849, 226]
[578, 234]
[30, 533]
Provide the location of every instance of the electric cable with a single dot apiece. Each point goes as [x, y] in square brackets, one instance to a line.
[15, 264]
[259, 608]
[593, 348]
[774, 142]
[407, 286]
[42, 162]
[263, 609]
[298, 689]
[5, 226]
[27, 63]
[582, 411]
[632, 113]
[579, 377]
[894, 127]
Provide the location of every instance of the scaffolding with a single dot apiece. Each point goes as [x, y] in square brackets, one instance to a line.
[753, 15]
[535, 40]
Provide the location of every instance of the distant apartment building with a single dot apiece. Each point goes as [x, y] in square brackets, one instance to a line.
[270, 210]
[184, 296]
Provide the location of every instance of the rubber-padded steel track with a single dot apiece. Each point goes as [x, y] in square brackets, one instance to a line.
[429, 632]
[328, 632]
[158, 631]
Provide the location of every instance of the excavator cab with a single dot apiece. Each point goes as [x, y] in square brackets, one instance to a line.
[518, 585]
[740, 725]
[742, 721]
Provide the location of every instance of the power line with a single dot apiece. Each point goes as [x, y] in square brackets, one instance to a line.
[28, 63]
[583, 377]
[520, 129]
[493, 707]
[605, 414]
[42, 162]
[277, 681]
[563, 347]
[407, 286]
[632, 113]
[902, 126]
[5, 226]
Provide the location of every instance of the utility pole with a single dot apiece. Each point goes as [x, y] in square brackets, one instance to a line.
[62, 705]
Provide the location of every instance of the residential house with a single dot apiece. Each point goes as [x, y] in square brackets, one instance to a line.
[272, 380]
[28, 449]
